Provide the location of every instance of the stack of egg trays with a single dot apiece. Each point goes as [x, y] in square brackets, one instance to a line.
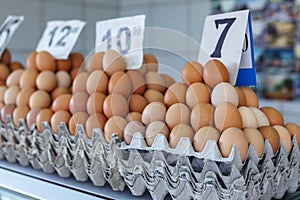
[184, 173]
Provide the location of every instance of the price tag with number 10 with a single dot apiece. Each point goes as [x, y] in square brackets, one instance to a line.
[228, 38]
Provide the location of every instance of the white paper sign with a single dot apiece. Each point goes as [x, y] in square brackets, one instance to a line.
[228, 38]
[124, 35]
[59, 37]
[8, 29]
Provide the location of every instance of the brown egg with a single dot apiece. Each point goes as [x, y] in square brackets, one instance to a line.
[24, 96]
[294, 130]
[77, 118]
[31, 60]
[261, 118]
[20, 113]
[137, 81]
[155, 128]
[175, 94]
[120, 83]
[74, 72]
[197, 93]
[45, 61]
[115, 105]
[64, 65]
[95, 103]
[1, 105]
[77, 59]
[28, 78]
[270, 133]
[150, 62]
[7, 110]
[39, 99]
[233, 136]
[115, 124]
[63, 79]
[155, 81]
[153, 96]
[2, 92]
[192, 73]
[242, 98]
[137, 103]
[2, 82]
[44, 115]
[78, 102]
[224, 92]
[143, 69]
[179, 131]
[168, 80]
[248, 117]
[80, 82]
[59, 91]
[95, 62]
[4, 72]
[97, 82]
[155, 111]
[31, 116]
[47, 81]
[95, 120]
[5, 57]
[215, 72]
[15, 65]
[134, 116]
[256, 138]
[14, 77]
[202, 115]
[284, 136]
[203, 135]
[250, 96]
[226, 115]
[131, 128]
[176, 114]
[58, 117]
[113, 62]
[10, 95]
[62, 102]
[273, 115]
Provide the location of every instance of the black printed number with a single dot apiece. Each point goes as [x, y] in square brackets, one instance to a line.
[228, 22]
[5, 32]
[66, 30]
[122, 48]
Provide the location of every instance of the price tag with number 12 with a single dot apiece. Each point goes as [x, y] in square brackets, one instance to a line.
[228, 38]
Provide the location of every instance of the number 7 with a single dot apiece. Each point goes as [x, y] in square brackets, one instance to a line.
[228, 22]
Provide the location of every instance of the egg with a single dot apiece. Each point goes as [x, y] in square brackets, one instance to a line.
[137, 103]
[46, 80]
[155, 111]
[31, 116]
[168, 80]
[192, 73]
[142, 69]
[59, 91]
[74, 72]
[58, 117]
[2, 92]
[179, 131]
[115, 124]
[95, 62]
[115, 105]
[120, 83]
[261, 118]
[5, 57]
[113, 62]
[233, 136]
[10, 95]
[20, 113]
[155, 128]
[175, 94]
[28, 78]
[31, 60]
[131, 128]
[15, 65]
[215, 72]
[77, 59]
[241, 97]
[95, 103]
[97, 82]
[202, 115]
[4, 72]
[45, 61]
[80, 82]
[255, 137]
[134, 116]
[64, 65]
[137, 81]
[39, 99]
[7, 110]
[78, 102]
[294, 130]
[155, 81]
[284, 136]
[44, 115]
[226, 115]
[63, 79]
[14, 77]
[62, 102]
[250, 97]
[77, 118]
[176, 114]
[273, 115]
[270, 133]
[153, 96]
[24, 96]
[1, 105]
[224, 92]
[248, 118]
[197, 93]
[95, 120]
[203, 135]
[150, 62]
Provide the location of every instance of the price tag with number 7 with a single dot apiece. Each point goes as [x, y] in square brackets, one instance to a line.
[228, 38]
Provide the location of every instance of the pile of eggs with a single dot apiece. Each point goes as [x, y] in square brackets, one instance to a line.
[204, 106]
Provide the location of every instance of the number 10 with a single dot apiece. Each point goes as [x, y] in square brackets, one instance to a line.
[107, 37]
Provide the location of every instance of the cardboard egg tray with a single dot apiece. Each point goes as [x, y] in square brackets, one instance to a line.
[180, 172]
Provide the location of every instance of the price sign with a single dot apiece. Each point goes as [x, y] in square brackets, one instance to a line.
[59, 37]
[124, 35]
[8, 29]
[228, 38]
